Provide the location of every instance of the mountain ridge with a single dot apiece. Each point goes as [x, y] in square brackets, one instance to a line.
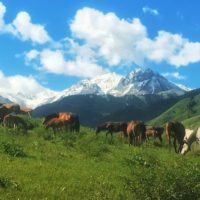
[138, 82]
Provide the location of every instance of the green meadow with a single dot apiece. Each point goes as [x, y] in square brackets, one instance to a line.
[41, 165]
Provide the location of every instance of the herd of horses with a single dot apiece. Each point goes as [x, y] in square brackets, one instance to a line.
[136, 131]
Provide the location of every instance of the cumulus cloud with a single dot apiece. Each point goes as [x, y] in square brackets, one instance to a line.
[19, 84]
[23, 28]
[116, 39]
[55, 61]
[149, 10]
[119, 41]
[26, 30]
[175, 75]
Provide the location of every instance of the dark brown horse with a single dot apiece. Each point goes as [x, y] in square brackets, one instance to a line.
[6, 109]
[14, 121]
[112, 127]
[70, 118]
[155, 132]
[175, 130]
[136, 132]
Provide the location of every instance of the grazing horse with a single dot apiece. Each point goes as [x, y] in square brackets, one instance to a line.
[71, 119]
[154, 131]
[6, 109]
[190, 137]
[13, 121]
[49, 117]
[136, 132]
[12, 107]
[112, 127]
[177, 131]
[56, 124]
[27, 111]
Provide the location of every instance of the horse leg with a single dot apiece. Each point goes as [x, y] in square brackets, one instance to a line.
[106, 134]
[160, 138]
[175, 145]
[130, 139]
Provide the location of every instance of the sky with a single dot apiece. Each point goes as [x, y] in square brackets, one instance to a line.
[54, 44]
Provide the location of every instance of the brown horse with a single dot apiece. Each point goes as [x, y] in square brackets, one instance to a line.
[13, 121]
[155, 132]
[177, 131]
[112, 127]
[70, 118]
[56, 124]
[26, 111]
[136, 132]
[6, 109]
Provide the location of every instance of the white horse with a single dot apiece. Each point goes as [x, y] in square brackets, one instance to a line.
[190, 137]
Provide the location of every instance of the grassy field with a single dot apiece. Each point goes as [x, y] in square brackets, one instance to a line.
[41, 165]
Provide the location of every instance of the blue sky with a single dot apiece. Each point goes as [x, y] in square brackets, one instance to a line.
[54, 44]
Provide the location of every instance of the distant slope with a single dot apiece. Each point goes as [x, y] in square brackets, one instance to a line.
[186, 110]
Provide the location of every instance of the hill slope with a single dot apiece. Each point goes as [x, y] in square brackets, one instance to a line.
[186, 110]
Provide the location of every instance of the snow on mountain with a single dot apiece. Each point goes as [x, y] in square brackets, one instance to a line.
[31, 101]
[138, 82]
[183, 87]
[144, 81]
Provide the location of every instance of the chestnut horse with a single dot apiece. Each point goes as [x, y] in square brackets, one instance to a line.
[112, 127]
[136, 132]
[6, 109]
[56, 124]
[13, 121]
[177, 131]
[70, 118]
[155, 132]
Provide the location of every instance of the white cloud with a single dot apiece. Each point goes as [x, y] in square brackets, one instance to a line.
[26, 30]
[32, 54]
[19, 84]
[23, 28]
[152, 11]
[175, 75]
[55, 61]
[119, 41]
[116, 39]
[2, 13]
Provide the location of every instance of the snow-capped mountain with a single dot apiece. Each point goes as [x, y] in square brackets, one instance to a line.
[138, 82]
[145, 81]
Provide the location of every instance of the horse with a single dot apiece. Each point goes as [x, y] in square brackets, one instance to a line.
[71, 118]
[13, 121]
[25, 111]
[136, 132]
[190, 137]
[154, 131]
[112, 127]
[56, 124]
[6, 109]
[49, 117]
[177, 131]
